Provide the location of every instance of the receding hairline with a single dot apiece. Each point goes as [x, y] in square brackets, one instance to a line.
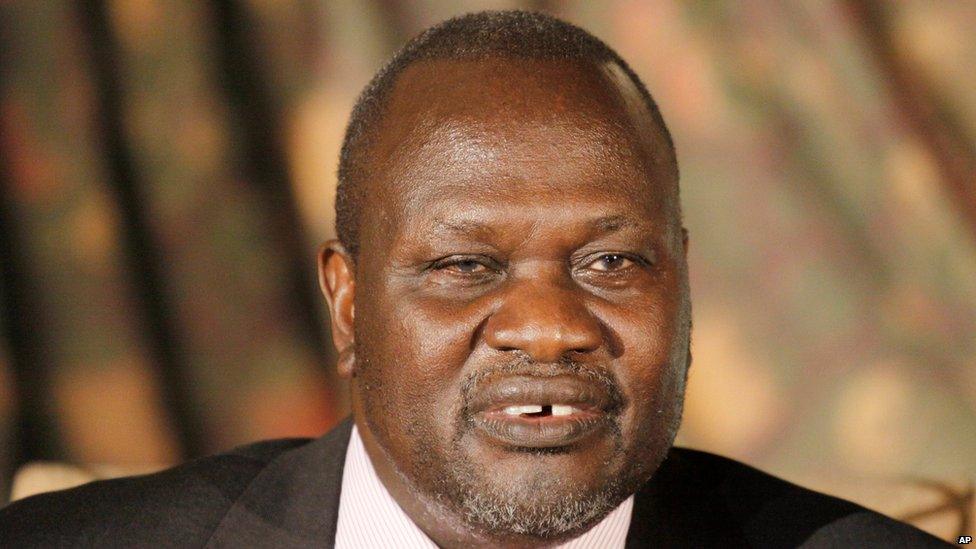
[561, 90]
[505, 35]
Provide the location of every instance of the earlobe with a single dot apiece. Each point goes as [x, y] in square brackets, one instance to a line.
[346, 365]
[338, 284]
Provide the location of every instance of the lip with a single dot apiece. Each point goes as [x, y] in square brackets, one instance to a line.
[593, 403]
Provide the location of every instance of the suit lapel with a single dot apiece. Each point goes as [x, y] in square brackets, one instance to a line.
[681, 507]
[294, 501]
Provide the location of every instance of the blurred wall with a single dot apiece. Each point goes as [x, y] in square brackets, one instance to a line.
[168, 169]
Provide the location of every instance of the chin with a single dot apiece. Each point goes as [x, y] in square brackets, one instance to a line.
[544, 493]
[533, 494]
[537, 505]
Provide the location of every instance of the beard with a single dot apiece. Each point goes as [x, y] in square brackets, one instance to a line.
[539, 505]
[540, 502]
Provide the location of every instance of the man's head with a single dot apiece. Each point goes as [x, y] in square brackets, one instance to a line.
[510, 239]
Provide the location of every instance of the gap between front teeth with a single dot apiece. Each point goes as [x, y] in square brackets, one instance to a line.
[556, 409]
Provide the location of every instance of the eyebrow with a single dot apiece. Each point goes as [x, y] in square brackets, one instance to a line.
[613, 223]
[461, 226]
[602, 225]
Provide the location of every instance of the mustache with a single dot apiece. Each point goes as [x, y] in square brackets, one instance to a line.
[524, 366]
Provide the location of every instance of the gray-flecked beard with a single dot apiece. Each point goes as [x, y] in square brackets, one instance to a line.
[546, 505]
[545, 508]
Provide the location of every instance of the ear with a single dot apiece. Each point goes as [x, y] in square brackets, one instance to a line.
[338, 282]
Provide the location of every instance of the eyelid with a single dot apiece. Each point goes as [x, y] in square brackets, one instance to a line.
[629, 263]
[636, 258]
[450, 260]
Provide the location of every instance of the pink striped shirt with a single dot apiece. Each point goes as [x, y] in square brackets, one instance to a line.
[369, 517]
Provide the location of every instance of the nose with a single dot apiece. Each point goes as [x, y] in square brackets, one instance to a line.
[545, 320]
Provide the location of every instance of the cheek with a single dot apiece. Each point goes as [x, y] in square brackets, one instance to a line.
[419, 346]
[649, 369]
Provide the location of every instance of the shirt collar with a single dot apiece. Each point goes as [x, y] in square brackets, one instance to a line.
[370, 517]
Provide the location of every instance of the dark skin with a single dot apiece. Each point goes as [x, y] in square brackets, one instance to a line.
[516, 209]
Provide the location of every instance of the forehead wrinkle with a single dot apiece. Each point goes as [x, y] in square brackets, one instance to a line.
[427, 149]
[522, 224]
[479, 127]
[465, 147]
[467, 161]
[470, 213]
[462, 227]
[613, 223]
[455, 202]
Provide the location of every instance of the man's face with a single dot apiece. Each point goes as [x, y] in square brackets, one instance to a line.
[521, 296]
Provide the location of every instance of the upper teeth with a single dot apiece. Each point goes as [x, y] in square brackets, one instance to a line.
[557, 409]
[562, 409]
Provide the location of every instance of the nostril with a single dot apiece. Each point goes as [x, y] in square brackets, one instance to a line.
[582, 350]
[544, 329]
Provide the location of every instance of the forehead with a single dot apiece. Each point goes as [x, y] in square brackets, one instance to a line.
[549, 133]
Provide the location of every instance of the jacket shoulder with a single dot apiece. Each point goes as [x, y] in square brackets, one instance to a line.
[762, 510]
[175, 507]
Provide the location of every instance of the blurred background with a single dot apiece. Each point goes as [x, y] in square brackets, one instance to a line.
[167, 170]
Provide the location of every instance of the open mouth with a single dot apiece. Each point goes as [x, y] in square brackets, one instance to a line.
[541, 410]
[531, 412]
[539, 425]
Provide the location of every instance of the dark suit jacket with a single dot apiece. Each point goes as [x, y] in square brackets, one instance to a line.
[286, 494]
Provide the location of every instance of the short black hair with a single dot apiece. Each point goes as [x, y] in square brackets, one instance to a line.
[483, 35]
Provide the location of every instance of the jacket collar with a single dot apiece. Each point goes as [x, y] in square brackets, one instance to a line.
[293, 501]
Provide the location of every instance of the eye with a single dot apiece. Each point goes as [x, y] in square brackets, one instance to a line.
[610, 263]
[465, 266]
[463, 271]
